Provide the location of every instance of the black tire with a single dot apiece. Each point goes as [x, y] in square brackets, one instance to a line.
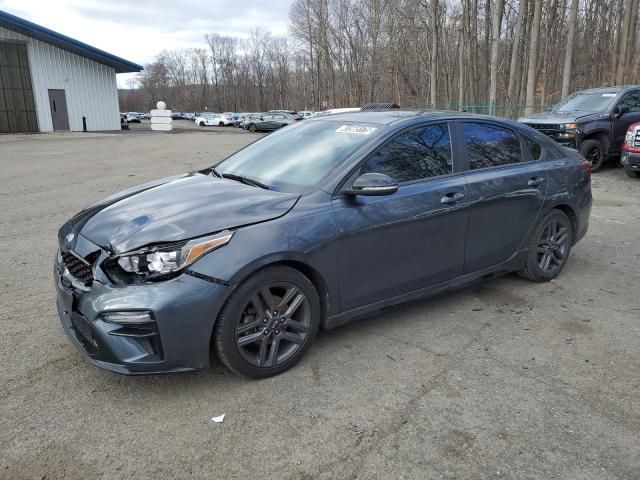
[632, 173]
[202, 124]
[221, 124]
[252, 128]
[549, 247]
[595, 152]
[247, 332]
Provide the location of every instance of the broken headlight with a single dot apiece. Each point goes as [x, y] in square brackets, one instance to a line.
[162, 261]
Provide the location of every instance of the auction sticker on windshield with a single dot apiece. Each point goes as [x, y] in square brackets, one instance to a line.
[359, 129]
[609, 94]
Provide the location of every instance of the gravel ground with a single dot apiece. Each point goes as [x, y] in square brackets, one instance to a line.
[509, 379]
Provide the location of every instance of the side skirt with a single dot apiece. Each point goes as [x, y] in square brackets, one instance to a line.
[513, 264]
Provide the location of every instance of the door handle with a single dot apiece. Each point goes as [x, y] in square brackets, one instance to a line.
[535, 181]
[451, 198]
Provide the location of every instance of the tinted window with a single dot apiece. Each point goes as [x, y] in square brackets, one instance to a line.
[534, 148]
[490, 145]
[631, 101]
[414, 155]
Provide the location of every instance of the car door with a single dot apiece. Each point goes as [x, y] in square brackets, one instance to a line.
[281, 120]
[266, 122]
[390, 245]
[507, 190]
[630, 104]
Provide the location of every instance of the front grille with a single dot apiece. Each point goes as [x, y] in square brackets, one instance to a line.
[545, 127]
[78, 268]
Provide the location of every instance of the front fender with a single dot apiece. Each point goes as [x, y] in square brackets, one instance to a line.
[306, 239]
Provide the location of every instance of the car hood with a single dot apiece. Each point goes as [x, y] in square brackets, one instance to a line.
[558, 117]
[177, 208]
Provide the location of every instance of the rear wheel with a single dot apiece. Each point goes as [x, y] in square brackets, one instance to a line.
[595, 152]
[202, 124]
[549, 247]
[252, 128]
[268, 323]
[632, 173]
[221, 124]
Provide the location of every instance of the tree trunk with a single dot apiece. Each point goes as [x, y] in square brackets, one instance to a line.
[434, 53]
[624, 42]
[533, 57]
[515, 51]
[631, 52]
[568, 56]
[493, 88]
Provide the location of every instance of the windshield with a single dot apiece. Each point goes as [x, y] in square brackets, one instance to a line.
[590, 102]
[298, 156]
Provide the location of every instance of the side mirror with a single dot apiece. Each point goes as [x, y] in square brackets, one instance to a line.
[373, 185]
[619, 111]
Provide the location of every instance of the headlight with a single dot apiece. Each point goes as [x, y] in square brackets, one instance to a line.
[628, 138]
[568, 126]
[161, 260]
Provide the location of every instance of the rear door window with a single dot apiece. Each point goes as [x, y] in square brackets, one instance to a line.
[490, 145]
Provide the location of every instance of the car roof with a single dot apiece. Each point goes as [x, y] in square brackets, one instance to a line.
[387, 117]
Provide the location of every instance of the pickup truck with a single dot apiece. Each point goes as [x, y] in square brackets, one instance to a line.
[594, 121]
[630, 158]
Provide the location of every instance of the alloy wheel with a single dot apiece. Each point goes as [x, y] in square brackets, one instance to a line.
[553, 246]
[273, 325]
[594, 156]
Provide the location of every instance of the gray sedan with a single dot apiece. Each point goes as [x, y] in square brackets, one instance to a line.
[325, 221]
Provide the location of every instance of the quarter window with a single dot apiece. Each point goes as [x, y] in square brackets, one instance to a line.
[631, 101]
[414, 155]
[534, 148]
[490, 145]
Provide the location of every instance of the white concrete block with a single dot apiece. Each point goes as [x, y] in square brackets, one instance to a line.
[162, 127]
[160, 113]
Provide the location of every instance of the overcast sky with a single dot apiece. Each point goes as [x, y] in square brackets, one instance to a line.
[139, 29]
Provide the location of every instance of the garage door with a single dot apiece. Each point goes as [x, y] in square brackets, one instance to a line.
[17, 108]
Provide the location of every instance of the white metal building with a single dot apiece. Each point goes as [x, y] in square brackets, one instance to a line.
[49, 81]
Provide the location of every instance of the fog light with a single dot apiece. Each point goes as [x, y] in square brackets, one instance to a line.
[127, 318]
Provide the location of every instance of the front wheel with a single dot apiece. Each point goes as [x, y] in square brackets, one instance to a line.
[202, 124]
[549, 247]
[594, 152]
[268, 323]
[252, 128]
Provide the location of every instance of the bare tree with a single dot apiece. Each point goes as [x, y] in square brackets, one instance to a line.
[495, 45]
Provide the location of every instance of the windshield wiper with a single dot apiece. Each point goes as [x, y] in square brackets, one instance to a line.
[245, 180]
[215, 172]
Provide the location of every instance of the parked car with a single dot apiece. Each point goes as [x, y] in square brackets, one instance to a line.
[630, 158]
[312, 226]
[306, 114]
[271, 121]
[132, 118]
[592, 121]
[213, 119]
[246, 119]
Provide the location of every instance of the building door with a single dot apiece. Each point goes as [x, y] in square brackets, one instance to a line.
[17, 108]
[58, 105]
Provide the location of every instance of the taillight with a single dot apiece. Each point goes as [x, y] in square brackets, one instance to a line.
[586, 164]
